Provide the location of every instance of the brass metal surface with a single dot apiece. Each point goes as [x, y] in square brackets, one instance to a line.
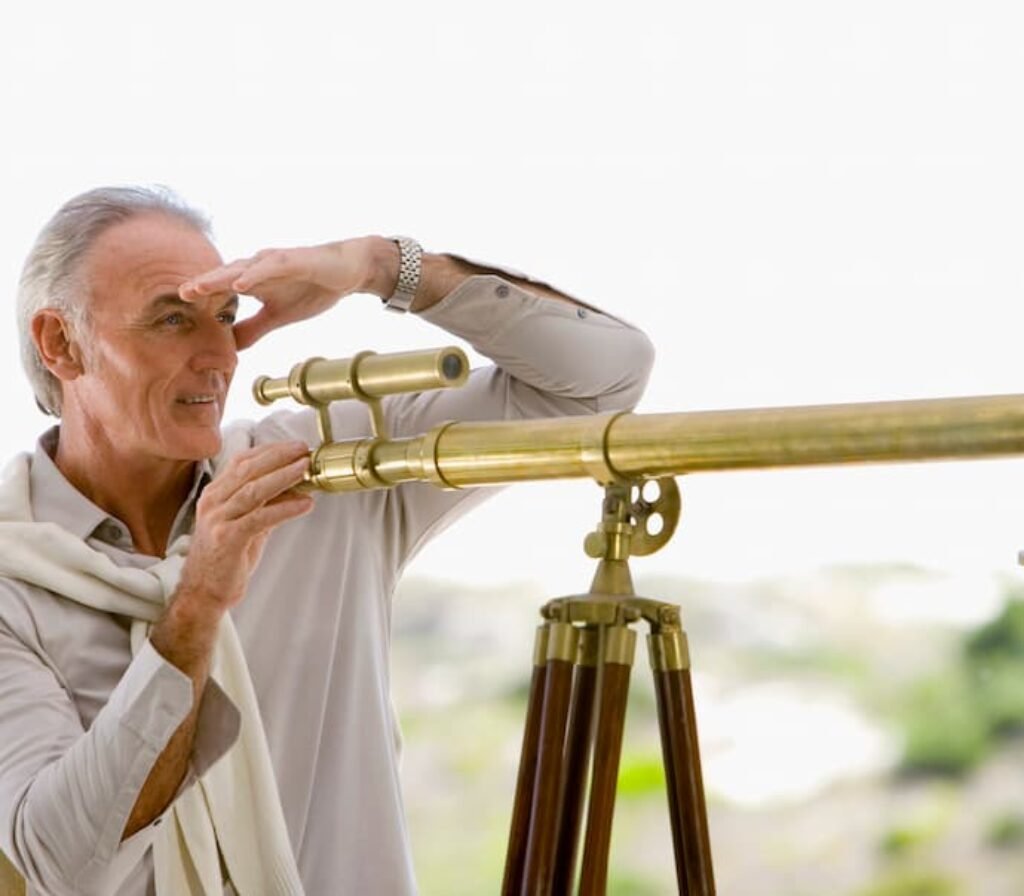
[647, 446]
[669, 650]
[619, 645]
[653, 445]
[664, 506]
[540, 646]
[366, 375]
[562, 641]
[11, 881]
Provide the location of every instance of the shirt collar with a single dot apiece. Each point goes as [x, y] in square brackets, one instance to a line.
[56, 500]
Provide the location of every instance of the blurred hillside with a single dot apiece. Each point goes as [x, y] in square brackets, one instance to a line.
[859, 732]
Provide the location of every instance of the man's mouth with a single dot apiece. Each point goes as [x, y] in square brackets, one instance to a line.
[198, 399]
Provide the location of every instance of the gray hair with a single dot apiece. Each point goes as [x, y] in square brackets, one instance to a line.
[51, 277]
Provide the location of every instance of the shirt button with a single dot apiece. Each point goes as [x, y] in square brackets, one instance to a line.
[581, 313]
[501, 291]
[111, 532]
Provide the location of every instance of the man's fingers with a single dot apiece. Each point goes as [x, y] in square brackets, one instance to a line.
[253, 463]
[218, 280]
[256, 492]
[286, 507]
[266, 265]
[252, 329]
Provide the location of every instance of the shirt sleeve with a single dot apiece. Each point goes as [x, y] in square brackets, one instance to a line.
[551, 358]
[65, 792]
[555, 357]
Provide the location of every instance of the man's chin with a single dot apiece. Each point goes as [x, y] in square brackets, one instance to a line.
[199, 446]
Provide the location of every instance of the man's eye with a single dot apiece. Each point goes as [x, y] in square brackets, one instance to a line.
[173, 319]
[227, 317]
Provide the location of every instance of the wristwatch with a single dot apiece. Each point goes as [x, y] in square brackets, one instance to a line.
[410, 256]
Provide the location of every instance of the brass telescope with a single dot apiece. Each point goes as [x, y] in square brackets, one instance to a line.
[584, 648]
[623, 447]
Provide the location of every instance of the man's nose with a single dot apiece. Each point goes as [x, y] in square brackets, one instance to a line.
[215, 348]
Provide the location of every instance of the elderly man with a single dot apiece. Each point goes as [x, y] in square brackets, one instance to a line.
[194, 687]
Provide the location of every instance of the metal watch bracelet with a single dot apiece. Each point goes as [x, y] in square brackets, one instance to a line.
[410, 257]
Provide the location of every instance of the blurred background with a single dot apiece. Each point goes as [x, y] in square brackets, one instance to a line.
[801, 203]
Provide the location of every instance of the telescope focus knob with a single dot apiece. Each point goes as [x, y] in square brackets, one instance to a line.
[595, 545]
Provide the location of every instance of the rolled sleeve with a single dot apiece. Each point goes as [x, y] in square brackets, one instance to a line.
[571, 351]
[66, 793]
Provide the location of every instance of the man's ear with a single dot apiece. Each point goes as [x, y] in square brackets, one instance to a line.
[52, 337]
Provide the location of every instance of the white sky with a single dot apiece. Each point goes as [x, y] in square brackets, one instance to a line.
[801, 202]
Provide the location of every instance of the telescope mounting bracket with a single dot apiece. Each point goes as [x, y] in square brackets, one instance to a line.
[637, 519]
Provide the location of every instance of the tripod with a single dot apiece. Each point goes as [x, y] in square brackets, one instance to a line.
[576, 710]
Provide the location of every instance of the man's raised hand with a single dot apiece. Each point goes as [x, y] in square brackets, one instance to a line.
[296, 284]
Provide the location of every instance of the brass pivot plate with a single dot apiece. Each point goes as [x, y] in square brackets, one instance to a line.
[638, 519]
[654, 508]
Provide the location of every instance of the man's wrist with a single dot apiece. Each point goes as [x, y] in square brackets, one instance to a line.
[382, 264]
[185, 635]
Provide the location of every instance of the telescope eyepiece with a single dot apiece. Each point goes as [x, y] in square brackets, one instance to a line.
[452, 366]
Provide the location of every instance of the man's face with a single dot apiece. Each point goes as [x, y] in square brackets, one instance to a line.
[156, 369]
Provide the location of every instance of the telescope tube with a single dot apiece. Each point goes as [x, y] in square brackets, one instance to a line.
[622, 447]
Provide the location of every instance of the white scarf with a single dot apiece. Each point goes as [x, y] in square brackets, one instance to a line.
[236, 803]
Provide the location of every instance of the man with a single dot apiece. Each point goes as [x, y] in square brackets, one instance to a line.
[194, 685]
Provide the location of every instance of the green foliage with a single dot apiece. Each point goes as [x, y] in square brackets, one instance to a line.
[994, 656]
[1006, 830]
[815, 661]
[924, 826]
[914, 883]
[997, 685]
[899, 841]
[641, 775]
[945, 731]
[626, 884]
[1004, 635]
[951, 719]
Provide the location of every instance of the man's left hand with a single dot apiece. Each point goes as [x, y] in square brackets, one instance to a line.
[296, 284]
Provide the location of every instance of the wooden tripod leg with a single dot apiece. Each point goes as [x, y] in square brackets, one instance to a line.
[671, 783]
[615, 667]
[677, 719]
[540, 846]
[515, 861]
[578, 738]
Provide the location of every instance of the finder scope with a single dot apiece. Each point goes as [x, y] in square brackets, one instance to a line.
[366, 376]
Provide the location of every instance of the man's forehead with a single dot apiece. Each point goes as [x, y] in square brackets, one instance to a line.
[148, 251]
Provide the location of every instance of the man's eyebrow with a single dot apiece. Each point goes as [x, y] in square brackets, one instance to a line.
[173, 300]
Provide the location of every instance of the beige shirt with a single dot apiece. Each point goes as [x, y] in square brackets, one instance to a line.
[82, 721]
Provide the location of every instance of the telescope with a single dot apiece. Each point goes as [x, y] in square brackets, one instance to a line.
[620, 447]
[583, 651]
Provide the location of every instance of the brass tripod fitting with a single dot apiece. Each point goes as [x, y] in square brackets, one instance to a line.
[626, 515]
[620, 645]
[563, 638]
[669, 650]
[610, 541]
[540, 646]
